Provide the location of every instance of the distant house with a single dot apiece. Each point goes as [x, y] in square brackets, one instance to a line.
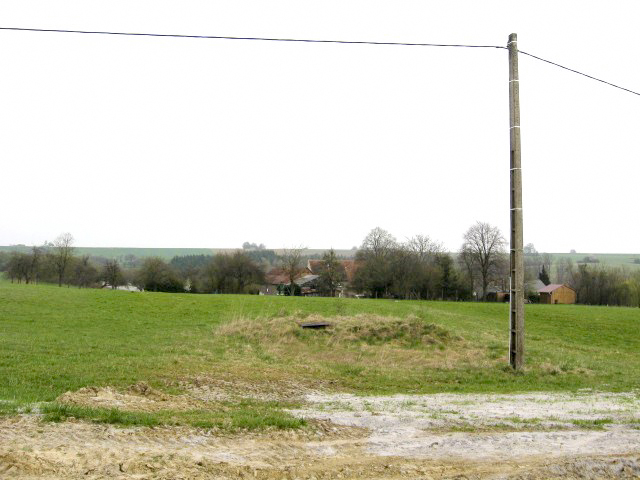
[554, 293]
[308, 285]
[307, 278]
[128, 287]
[496, 295]
[349, 268]
[276, 279]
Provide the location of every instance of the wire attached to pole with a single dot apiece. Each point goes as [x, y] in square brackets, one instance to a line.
[262, 39]
[308, 40]
[579, 73]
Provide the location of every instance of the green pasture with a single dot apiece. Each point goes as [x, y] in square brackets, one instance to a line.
[121, 252]
[54, 340]
[605, 259]
[164, 253]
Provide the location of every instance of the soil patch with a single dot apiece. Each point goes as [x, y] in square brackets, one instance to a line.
[212, 389]
[138, 398]
[400, 437]
[30, 449]
[484, 427]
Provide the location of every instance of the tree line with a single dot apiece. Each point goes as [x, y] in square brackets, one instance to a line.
[416, 268]
[599, 284]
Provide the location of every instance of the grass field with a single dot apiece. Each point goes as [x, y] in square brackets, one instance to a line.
[607, 259]
[164, 253]
[54, 340]
[121, 252]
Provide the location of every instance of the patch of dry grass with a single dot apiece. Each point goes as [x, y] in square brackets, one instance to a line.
[369, 329]
[363, 342]
[564, 369]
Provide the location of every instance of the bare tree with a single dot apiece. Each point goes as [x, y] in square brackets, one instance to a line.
[424, 248]
[17, 266]
[332, 272]
[374, 257]
[532, 264]
[61, 254]
[547, 262]
[24, 266]
[484, 248]
[291, 260]
[112, 274]
[466, 262]
[85, 273]
[36, 255]
[565, 270]
[155, 275]
[244, 271]
[378, 243]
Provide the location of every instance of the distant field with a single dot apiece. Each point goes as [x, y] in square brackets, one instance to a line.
[610, 259]
[119, 252]
[165, 253]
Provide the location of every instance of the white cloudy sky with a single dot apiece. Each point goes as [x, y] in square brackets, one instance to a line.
[131, 141]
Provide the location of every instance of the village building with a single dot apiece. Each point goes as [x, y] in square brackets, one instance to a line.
[557, 294]
[309, 285]
[497, 295]
[275, 280]
[307, 278]
[350, 268]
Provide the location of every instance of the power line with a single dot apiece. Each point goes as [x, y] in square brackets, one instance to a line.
[579, 73]
[306, 40]
[262, 39]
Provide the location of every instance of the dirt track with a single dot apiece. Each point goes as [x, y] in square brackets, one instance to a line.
[429, 436]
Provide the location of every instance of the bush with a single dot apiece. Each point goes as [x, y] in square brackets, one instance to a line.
[156, 276]
[253, 289]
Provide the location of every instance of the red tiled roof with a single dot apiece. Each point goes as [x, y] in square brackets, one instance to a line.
[350, 267]
[315, 266]
[276, 276]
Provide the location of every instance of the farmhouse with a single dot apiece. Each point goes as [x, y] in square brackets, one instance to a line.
[350, 267]
[276, 278]
[307, 278]
[555, 293]
[308, 284]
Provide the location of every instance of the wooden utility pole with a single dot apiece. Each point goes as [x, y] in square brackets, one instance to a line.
[516, 294]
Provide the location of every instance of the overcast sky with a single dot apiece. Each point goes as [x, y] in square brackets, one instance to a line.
[159, 142]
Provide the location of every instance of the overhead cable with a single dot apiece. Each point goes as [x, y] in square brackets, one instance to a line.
[579, 73]
[306, 40]
[262, 39]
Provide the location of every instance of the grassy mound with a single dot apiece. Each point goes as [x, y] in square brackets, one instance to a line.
[362, 351]
[343, 331]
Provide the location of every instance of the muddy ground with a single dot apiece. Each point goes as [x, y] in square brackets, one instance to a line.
[584, 435]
